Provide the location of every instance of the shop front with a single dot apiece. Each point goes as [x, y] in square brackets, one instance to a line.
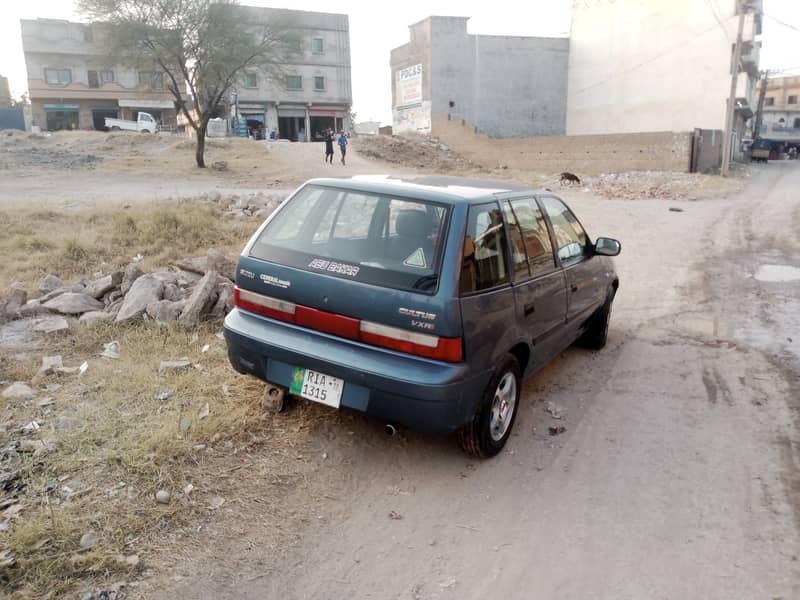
[322, 120]
[291, 124]
[61, 117]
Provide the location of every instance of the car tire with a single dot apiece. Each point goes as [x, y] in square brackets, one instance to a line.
[115, 128]
[596, 334]
[145, 131]
[488, 431]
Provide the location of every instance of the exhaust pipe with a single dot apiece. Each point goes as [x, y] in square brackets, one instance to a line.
[274, 399]
[389, 429]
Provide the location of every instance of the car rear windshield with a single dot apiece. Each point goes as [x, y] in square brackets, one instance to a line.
[368, 237]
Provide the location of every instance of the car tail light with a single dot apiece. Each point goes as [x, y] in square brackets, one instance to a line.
[421, 344]
[393, 338]
[264, 305]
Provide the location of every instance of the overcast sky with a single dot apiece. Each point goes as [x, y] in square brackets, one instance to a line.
[377, 27]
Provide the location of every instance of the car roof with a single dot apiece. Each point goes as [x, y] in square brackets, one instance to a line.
[427, 187]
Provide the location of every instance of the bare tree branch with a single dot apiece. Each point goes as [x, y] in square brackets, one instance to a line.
[202, 46]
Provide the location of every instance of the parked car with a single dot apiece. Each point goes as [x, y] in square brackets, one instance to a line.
[424, 302]
[144, 123]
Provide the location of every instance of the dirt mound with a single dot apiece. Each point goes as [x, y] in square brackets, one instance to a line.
[417, 151]
[191, 144]
[662, 185]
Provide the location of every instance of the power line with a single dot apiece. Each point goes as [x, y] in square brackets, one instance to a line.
[779, 22]
[716, 18]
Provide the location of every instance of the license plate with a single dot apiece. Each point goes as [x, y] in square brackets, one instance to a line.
[317, 386]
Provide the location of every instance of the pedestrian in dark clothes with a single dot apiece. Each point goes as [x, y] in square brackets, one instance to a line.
[343, 144]
[329, 146]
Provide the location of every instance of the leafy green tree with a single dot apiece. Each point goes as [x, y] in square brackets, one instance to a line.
[201, 47]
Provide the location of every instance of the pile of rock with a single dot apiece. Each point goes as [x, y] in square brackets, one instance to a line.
[194, 289]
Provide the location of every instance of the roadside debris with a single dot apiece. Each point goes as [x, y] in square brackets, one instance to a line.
[88, 540]
[194, 290]
[19, 390]
[557, 412]
[162, 497]
[110, 350]
[556, 430]
[216, 502]
[395, 516]
[51, 325]
[174, 365]
[675, 209]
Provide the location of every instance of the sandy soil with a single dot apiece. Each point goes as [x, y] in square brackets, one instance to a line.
[677, 476]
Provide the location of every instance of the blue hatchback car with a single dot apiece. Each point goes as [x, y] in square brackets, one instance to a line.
[421, 301]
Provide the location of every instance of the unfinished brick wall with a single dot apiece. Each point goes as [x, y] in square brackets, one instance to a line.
[582, 154]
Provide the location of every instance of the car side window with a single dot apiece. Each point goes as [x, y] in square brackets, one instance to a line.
[535, 236]
[519, 258]
[483, 264]
[571, 239]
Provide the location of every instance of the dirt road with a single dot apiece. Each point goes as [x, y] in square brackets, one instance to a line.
[678, 475]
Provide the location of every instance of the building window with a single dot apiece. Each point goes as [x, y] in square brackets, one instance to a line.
[94, 80]
[151, 79]
[797, 123]
[107, 76]
[250, 80]
[791, 100]
[316, 45]
[58, 76]
[319, 84]
[770, 101]
[294, 82]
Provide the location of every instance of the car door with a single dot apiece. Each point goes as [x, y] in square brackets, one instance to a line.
[539, 284]
[486, 296]
[585, 273]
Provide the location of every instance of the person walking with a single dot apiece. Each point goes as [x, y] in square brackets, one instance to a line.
[343, 145]
[329, 146]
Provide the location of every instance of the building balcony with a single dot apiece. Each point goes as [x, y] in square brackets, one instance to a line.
[751, 55]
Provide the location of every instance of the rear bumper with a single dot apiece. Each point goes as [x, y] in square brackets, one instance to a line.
[419, 393]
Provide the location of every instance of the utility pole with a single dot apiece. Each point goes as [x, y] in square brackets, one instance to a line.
[727, 133]
[760, 108]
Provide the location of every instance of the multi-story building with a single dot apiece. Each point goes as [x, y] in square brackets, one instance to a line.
[660, 65]
[505, 86]
[780, 120]
[73, 84]
[5, 93]
[314, 91]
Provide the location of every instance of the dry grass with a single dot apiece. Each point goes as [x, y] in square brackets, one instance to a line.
[132, 445]
[73, 243]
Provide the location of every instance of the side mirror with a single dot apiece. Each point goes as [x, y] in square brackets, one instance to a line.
[607, 247]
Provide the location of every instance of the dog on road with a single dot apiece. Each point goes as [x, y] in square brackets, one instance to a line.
[569, 178]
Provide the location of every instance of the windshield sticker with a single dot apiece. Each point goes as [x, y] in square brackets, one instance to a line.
[270, 280]
[416, 259]
[334, 267]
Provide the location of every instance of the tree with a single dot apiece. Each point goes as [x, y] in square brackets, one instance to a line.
[200, 46]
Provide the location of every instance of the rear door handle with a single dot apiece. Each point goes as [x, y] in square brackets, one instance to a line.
[529, 308]
[573, 287]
